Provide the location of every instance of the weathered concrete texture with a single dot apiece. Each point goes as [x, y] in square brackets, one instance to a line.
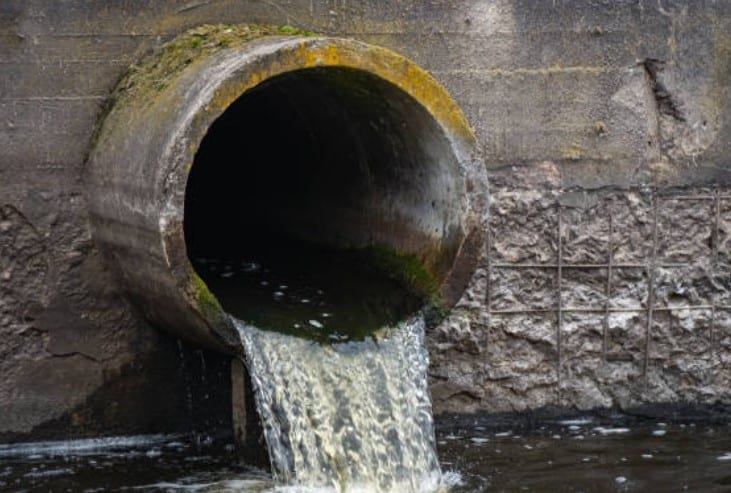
[576, 94]
[376, 153]
[609, 297]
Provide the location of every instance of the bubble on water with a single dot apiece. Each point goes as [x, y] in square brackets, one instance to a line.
[575, 422]
[81, 447]
[450, 479]
[620, 480]
[528, 447]
[574, 427]
[610, 431]
[49, 473]
[659, 433]
[155, 452]
[479, 440]
[304, 300]
[326, 315]
[264, 283]
[556, 437]
[278, 294]
[315, 324]
[647, 456]
[503, 434]
[724, 457]
[283, 286]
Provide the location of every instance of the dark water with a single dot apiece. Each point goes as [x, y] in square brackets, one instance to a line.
[313, 292]
[580, 455]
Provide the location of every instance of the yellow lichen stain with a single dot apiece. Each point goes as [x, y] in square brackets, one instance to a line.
[599, 127]
[146, 83]
[572, 153]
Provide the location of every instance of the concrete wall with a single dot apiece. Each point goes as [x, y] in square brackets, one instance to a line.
[605, 126]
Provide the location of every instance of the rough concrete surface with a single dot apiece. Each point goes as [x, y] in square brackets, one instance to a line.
[605, 127]
[591, 298]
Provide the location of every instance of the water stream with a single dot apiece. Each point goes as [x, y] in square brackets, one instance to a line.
[587, 454]
[354, 416]
[336, 353]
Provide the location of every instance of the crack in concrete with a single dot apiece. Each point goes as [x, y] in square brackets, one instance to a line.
[664, 100]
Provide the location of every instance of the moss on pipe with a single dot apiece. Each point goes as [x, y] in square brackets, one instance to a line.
[156, 71]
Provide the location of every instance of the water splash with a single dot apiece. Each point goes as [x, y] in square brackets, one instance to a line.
[351, 417]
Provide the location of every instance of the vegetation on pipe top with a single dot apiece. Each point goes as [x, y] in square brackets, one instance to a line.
[156, 71]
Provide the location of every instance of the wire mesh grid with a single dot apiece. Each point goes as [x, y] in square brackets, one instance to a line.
[650, 266]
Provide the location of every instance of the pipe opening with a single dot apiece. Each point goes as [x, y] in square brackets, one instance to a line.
[343, 165]
[322, 202]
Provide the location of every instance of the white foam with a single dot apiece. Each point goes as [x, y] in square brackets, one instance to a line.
[48, 473]
[344, 409]
[611, 431]
[576, 421]
[86, 446]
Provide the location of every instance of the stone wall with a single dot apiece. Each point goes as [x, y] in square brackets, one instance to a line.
[592, 298]
[605, 127]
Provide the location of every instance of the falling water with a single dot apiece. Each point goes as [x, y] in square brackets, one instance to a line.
[354, 416]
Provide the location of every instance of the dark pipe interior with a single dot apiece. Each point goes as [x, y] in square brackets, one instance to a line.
[299, 175]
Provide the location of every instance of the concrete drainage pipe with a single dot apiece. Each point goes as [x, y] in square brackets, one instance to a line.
[228, 131]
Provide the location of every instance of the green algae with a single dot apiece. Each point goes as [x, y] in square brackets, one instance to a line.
[158, 70]
[203, 299]
[407, 270]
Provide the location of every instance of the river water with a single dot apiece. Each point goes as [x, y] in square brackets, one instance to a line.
[342, 392]
[581, 454]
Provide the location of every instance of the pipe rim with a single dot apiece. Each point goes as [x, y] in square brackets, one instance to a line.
[238, 70]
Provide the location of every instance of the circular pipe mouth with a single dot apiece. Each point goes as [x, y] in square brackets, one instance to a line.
[236, 144]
